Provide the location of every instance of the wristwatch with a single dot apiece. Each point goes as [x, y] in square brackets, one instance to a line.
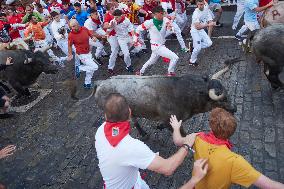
[188, 148]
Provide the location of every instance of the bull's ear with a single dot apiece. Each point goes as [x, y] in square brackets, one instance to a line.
[281, 77]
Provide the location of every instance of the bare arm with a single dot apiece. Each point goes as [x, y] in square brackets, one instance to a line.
[177, 138]
[200, 168]
[168, 166]
[259, 9]
[264, 182]
[200, 26]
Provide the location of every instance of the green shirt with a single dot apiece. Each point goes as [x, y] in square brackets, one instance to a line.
[36, 14]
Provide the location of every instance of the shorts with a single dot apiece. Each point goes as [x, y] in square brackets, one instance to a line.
[214, 6]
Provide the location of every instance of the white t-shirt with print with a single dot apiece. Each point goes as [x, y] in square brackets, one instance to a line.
[202, 17]
[120, 165]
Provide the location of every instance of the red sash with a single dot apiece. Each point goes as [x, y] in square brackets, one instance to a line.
[115, 132]
[210, 138]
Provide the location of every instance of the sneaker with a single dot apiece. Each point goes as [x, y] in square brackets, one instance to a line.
[185, 50]
[77, 71]
[88, 86]
[193, 64]
[238, 37]
[218, 24]
[130, 69]
[105, 55]
[110, 72]
[171, 74]
[139, 73]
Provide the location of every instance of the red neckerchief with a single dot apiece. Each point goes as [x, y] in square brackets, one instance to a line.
[115, 132]
[97, 21]
[121, 20]
[210, 138]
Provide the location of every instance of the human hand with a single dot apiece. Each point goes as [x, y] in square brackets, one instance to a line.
[212, 24]
[7, 151]
[189, 139]
[9, 61]
[70, 57]
[174, 122]
[94, 39]
[200, 169]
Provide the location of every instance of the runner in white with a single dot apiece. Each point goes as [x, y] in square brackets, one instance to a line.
[157, 27]
[200, 20]
[239, 13]
[93, 24]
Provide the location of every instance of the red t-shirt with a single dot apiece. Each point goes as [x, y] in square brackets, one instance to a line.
[80, 40]
[107, 19]
[264, 2]
[14, 33]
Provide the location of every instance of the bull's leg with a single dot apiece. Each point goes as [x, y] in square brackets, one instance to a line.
[20, 89]
[141, 131]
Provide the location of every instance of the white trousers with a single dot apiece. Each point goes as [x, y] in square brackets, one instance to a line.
[181, 20]
[99, 47]
[8, 2]
[248, 25]
[89, 66]
[162, 51]
[239, 14]
[200, 40]
[177, 32]
[114, 46]
[125, 44]
[44, 43]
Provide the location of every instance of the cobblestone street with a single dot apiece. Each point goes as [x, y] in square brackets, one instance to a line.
[55, 138]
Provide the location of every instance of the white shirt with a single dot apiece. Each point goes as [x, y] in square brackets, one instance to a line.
[201, 17]
[122, 29]
[55, 26]
[120, 166]
[156, 36]
[91, 25]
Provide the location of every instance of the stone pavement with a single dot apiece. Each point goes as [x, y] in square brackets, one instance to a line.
[55, 139]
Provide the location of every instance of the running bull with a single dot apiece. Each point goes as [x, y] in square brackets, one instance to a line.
[158, 97]
[268, 45]
[26, 68]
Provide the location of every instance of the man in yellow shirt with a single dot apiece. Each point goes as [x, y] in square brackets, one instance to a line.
[225, 167]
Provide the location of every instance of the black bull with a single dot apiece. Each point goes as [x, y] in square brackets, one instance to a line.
[26, 68]
[268, 47]
[158, 97]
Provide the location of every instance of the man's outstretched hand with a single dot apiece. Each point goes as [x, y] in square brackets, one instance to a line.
[7, 151]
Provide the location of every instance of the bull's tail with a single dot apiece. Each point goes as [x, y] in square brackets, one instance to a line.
[71, 84]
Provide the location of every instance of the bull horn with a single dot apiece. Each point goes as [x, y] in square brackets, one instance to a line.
[212, 91]
[214, 96]
[219, 73]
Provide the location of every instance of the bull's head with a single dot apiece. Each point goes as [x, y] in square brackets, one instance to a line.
[217, 92]
[42, 61]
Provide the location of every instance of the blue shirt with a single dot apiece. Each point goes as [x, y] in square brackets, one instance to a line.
[250, 14]
[66, 12]
[81, 17]
[214, 1]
